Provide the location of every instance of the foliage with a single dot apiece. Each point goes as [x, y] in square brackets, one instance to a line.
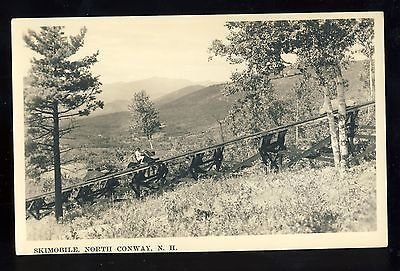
[322, 49]
[257, 48]
[323, 46]
[59, 89]
[144, 115]
[365, 36]
[306, 103]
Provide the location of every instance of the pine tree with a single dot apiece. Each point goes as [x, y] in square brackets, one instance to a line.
[144, 116]
[59, 89]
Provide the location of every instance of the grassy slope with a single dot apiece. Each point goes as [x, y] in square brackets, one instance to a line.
[309, 200]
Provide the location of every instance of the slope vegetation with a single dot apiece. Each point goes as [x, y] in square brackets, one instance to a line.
[305, 201]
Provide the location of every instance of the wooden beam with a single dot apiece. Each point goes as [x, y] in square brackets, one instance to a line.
[368, 150]
[191, 153]
[309, 151]
[246, 162]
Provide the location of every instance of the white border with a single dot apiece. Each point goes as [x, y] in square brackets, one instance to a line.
[227, 243]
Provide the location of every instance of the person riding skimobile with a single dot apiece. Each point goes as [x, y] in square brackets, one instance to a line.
[139, 156]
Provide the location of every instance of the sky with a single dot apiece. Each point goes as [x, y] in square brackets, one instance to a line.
[134, 49]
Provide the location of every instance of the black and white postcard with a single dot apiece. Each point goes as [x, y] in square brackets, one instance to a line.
[199, 133]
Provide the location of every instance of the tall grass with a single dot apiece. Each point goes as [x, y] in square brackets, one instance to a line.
[302, 201]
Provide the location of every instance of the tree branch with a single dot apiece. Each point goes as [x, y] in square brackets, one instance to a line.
[42, 126]
[67, 130]
[42, 111]
[45, 144]
[66, 150]
[84, 100]
[68, 115]
[42, 135]
[71, 138]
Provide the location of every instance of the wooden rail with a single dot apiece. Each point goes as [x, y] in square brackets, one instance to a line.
[192, 153]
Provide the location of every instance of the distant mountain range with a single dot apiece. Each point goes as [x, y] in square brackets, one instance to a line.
[117, 96]
[154, 86]
[195, 107]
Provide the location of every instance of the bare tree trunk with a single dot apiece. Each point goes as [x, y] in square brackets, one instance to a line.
[57, 163]
[332, 129]
[151, 143]
[221, 131]
[344, 152]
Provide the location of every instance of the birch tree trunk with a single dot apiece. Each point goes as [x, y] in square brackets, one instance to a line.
[332, 129]
[221, 131]
[344, 152]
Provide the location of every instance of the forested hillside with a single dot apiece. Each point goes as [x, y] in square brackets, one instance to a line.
[197, 108]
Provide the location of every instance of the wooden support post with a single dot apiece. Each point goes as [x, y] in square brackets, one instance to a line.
[271, 152]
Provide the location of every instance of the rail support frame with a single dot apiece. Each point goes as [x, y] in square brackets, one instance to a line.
[271, 152]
